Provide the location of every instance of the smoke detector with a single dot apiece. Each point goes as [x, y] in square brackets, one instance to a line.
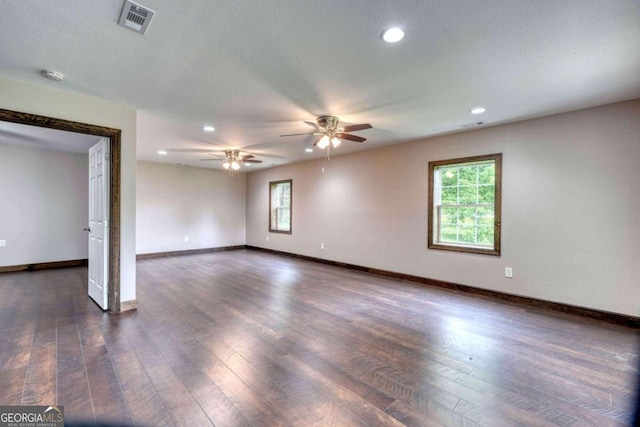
[52, 75]
[135, 17]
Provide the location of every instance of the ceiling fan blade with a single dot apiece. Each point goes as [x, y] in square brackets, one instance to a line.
[350, 137]
[296, 134]
[353, 128]
[252, 161]
[247, 156]
[313, 125]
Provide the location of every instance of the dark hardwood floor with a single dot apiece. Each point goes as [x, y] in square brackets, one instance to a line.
[246, 338]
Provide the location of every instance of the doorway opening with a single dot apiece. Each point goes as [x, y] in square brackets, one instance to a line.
[114, 136]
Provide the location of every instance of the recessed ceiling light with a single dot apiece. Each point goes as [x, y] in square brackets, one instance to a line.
[309, 150]
[393, 35]
[162, 152]
[478, 110]
[208, 128]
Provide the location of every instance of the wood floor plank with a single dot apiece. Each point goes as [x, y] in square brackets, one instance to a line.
[410, 417]
[142, 399]
[73, 383]
[40, 383]
[106, 393]
[181, 405]
[12, 385]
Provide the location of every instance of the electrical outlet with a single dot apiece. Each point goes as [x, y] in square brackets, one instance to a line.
[3, 243]
[266, 238]
[508, 272]
[321, 245]
[322, 170]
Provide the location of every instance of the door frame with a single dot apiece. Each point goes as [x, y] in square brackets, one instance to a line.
[114, 136]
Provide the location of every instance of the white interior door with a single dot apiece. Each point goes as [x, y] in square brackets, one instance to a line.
[99, 223]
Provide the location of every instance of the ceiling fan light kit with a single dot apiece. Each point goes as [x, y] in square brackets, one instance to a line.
[233, 165]
[324, 142]
[331, 134]
[232, 159]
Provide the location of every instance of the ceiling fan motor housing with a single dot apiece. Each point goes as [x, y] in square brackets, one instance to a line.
[232, 154]
[329, 123]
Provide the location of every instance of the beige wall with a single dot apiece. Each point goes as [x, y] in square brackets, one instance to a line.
[173, 202]
[46, 101]
[45, 204]
[571, 208]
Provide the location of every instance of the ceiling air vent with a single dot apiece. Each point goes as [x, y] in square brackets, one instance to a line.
[135, 17]
[470, 125]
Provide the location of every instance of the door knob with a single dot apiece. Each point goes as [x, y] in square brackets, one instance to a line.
[87, 229]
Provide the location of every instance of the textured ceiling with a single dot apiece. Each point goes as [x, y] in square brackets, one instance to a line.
[256, 69]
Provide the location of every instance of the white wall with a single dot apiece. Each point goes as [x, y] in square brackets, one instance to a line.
[46, 101]
[571, 208]
[44, 205]
[174, 202]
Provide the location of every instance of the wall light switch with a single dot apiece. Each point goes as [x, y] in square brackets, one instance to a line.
[266, 238]
[186, 238]
[321, 245]
[508, 272]
[3, 243]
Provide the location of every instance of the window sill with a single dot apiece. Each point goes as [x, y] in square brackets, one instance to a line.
[465, 249]
[280, 231]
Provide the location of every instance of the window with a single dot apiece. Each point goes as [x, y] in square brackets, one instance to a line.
[280, 206]
[464, 204]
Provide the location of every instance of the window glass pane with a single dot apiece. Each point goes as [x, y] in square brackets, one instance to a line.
[449, 216]
[485, 216]
[467, 234]
[284, 189]
[449, 234]
[486, 173]
[450, 196]
[468, 195]
[467, 216]
[486, 194]
[467, 175]
[283, 218]
[485, 235]
[449, 176]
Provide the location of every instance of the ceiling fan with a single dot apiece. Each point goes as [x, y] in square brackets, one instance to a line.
[330, 132]
[232, 160]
